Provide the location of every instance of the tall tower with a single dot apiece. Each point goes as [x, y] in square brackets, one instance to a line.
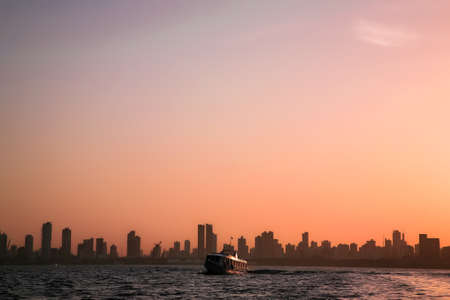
[396, 238]
[66, 246]
[3, 244]
[46, 240]
[187, 247]
[133, 244]
[201, 240]
[242, 247]
[305, 239]
[29, 245]
[209, 238]
[100, 248]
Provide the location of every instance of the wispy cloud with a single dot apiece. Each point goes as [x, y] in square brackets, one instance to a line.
[382, 35]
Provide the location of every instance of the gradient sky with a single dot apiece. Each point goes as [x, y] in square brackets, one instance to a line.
[331, 117]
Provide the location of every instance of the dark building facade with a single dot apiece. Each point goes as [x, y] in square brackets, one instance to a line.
[113, 252]
[267, 247]
[28, 245]
[201, 240]
[100, 248]
[133, 244]
[187, 248]
[156, 251]
[242, 247]
[429, 248]
[46, 240]
[86, 249]
[66, 242]
[3, 244]
[211, 239]
[177, 248]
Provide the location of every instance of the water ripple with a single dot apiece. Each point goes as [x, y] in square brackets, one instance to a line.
[188, 282]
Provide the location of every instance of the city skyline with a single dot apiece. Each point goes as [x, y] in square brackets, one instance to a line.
[325, 116]
[90, 246]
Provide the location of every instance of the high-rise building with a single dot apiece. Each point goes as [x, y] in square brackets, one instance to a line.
[342, 251]
[156, 251]
[302, 247]
[187, 247]
[305, 239]
[201, 240]
[242, 247]
[396, 239]
[113, 252]
[133, 245]
[445, 253]
[100, 248]
[290, 250]
[211, 239]
[228, 248]
[177, 248]
[353, 249]
[266, 246]
[429, 248]
[66, 242]
[46, 240]
[29, 245]
[138, 246]
[86, 249]
[3, 244]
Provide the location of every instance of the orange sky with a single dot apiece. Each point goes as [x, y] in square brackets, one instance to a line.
[330, 118]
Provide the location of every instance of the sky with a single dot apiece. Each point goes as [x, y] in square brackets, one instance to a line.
[322, 116]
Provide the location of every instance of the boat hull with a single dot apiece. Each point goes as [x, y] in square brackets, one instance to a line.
[224, 265]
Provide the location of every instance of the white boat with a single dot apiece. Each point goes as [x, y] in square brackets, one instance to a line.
[221, 263]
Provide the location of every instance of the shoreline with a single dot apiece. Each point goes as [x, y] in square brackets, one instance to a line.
[251, 263]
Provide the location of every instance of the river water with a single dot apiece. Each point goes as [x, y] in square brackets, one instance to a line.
[188, 282]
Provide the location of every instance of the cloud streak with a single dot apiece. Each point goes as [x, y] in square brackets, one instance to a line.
[382, 35]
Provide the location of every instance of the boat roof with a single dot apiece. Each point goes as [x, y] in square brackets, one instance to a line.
[228, 256]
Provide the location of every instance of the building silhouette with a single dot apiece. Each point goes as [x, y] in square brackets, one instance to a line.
[302, 247]
[289, 250]
[342, 251]
[100, 248]
[427, 251]
[211, 239]
[156, 251]
[400, 248]
[445, 254]
[66, 242]
[187, 248]
[28, 245]
[242, 247]
[201, 240]
[86, 249]
[429, 248]
[228, 248]
[177, 248]
[267, 247]
[113, 253]
[353, 250]
[3, 244]
[133, 244]
[46, 240]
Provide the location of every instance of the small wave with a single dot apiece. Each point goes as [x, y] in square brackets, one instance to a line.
[440, 274]
[268, 271]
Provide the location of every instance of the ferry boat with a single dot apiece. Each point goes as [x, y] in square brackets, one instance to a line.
[222, 263]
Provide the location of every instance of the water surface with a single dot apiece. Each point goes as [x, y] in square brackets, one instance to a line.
[184, 282]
